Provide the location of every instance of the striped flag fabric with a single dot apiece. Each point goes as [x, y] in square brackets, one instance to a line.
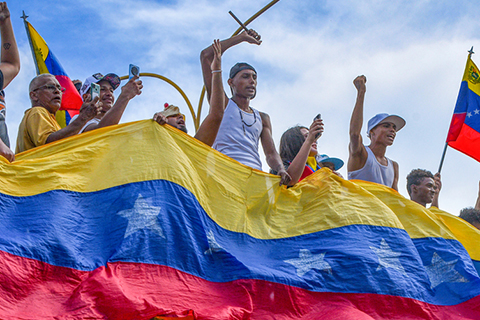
[464, 132]
[148, 222]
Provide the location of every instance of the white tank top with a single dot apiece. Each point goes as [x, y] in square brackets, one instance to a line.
[373, 171]
[93, 121]
[239, 134]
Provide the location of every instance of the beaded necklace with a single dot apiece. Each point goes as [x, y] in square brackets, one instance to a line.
[246, 124]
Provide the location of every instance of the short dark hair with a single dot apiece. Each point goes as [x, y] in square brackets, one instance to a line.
[416, 176]
[290, 143]
[471, 215]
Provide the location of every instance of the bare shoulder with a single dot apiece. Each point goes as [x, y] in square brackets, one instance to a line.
[356, 157]
[265, 118]
[395, 165]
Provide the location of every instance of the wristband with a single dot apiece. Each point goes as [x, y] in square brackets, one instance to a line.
[215, 71]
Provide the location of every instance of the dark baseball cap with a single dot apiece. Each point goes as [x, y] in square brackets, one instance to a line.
[239, 66]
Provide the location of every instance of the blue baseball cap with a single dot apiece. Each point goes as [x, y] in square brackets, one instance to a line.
[398, 121]
[337, 163]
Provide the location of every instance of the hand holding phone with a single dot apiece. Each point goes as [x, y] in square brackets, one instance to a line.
[94, 90]
[318, 117]
[133, 70]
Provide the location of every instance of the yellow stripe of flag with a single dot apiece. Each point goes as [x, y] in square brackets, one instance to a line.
[40, 48]
[236, 197]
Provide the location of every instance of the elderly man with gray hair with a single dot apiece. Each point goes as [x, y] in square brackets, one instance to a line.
[39, 126]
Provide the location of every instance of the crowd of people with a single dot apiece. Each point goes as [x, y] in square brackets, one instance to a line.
[232, 126]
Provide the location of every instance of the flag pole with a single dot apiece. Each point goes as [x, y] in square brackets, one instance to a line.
[443, 157]
[24, 17]
[470, 52]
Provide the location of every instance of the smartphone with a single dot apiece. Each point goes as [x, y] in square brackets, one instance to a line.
[94, 90]
[318, 117]
[133, 70]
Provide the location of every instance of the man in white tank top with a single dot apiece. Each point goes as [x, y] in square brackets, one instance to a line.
[242, 126]
[369, 162]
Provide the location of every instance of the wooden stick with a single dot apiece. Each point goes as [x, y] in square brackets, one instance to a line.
[239, 22]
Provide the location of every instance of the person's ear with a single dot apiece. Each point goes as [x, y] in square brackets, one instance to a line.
[33, 96]
[414, 188]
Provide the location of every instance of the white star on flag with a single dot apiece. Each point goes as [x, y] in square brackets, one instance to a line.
[476, 111]
[469, 114]
[388, 258]
[142, 216]
[441, 271]
[213, 245]
[308, 261]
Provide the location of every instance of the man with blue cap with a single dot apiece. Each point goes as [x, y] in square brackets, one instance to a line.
[242, 126]
[369, 163]
[334, 164]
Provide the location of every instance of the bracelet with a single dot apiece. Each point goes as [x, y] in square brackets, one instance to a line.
[215, 71]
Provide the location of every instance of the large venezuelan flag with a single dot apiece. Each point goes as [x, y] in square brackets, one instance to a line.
[149, 222]
[48, 63]
[464, 133]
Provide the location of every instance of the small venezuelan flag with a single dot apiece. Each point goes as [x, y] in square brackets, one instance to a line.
[464, 133]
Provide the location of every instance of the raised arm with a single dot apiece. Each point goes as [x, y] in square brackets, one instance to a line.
[209, 128]
[295, 170]
[129, 91]
[87, 112]
[207, 55]
[271, 154]
[357, 153]
[10, 60]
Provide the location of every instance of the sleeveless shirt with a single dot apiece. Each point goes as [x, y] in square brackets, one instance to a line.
[239, 134]
[373, 171]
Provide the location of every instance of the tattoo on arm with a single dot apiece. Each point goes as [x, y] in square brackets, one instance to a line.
[6, 46]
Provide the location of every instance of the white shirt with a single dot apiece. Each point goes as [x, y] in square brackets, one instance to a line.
[93, 121]
[239, 134]
[374, 171]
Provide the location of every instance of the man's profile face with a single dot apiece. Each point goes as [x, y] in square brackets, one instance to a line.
[178, 122]
[425, 190]
[47, 93]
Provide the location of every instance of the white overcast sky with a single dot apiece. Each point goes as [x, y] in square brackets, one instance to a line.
[413, 54]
